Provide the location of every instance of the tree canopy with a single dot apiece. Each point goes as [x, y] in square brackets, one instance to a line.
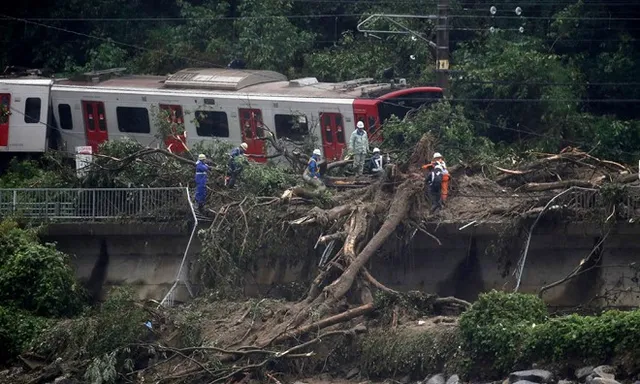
[553, 73]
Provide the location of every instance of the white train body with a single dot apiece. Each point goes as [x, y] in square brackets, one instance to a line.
[210, 104]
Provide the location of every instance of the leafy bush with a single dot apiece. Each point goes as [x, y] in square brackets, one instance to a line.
[114, 325]
[496, 327]
[36, 277]
[594, 339]
[17, 329]
[504, 331]
[31, 174]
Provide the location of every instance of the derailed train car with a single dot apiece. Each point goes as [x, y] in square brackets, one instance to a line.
[225, 104]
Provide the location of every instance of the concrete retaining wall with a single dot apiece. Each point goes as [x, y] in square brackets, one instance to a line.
[464, 265]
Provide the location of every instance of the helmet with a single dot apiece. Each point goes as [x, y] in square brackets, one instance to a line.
[317, 152]
[244, 146]
[202, 156]
[376, 150]
[437, 155]
[360, 125]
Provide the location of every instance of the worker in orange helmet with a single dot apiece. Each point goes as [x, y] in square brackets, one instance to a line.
[438, 160]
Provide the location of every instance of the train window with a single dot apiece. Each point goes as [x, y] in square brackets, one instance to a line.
[66, 122]
[32, 110]
[339, 129]
[133, 120]
[294, 127]
[212, 124]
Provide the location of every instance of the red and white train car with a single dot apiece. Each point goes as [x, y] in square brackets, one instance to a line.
[225, 104]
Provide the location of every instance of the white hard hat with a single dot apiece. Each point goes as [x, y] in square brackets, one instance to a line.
[202, 156]
[360, 124]
[376, 150]
[317, 152]
[436, 155]
[244, 146]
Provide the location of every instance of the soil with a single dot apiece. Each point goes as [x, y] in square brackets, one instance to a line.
[478, 198]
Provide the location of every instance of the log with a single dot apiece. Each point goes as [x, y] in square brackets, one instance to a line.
[539, 187]
[324, 323]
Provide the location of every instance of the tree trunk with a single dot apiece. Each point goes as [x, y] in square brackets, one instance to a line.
[397, 212]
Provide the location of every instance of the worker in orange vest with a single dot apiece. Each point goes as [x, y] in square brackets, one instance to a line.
[439, 160]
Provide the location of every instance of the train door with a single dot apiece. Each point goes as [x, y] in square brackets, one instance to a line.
[366, 110]
[252, 133]
[176, 141]
[333, 140]
[5, 115]
[371, 125]
[95, 123]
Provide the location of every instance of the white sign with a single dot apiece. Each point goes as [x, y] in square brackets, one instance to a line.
[83, 159]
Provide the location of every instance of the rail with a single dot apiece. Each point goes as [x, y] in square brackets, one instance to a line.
[593, 201]
[95, 204]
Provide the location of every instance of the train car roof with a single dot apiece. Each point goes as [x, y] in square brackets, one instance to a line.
[27, 81]
[233, 81]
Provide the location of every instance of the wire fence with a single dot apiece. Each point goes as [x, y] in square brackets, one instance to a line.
[99, 204]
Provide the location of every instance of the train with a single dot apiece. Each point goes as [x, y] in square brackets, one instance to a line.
[38, 114]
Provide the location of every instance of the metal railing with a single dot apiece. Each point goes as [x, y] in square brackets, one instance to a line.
[98, 204]
[593, 200]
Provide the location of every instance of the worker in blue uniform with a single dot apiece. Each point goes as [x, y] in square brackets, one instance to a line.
[311, 174]
[234, 167]
[201, 181]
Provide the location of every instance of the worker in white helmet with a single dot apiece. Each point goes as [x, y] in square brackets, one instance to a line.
[438, 160]
[376, 162]
[234, 166]
[201, 181]
[359, 147]
[311, 174]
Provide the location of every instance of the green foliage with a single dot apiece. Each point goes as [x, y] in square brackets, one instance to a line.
[102, 370]
[593, 339]
[267, 180]
[36, 277]
[496, 327]
[17, 330]
[116, 324]
[448, 124]
[267, 39]
[505, 69]
[33, 174]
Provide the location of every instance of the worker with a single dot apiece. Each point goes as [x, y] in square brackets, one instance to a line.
[311, 173]
[201, 181]
[359, 147]
[376, 162]
[234, 166]
[439, 160]
[433, 185]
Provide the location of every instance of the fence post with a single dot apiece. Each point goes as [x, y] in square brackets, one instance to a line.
[15, 200]
[93, 204]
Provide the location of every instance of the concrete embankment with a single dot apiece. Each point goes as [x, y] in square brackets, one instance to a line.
[462, 263]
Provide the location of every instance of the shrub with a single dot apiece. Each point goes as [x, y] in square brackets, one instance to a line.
[117, 323]
[593, 339]
[496, 327]
[17, 330]
[36, 277]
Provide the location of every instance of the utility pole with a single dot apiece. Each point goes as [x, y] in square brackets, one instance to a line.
[442, 46]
